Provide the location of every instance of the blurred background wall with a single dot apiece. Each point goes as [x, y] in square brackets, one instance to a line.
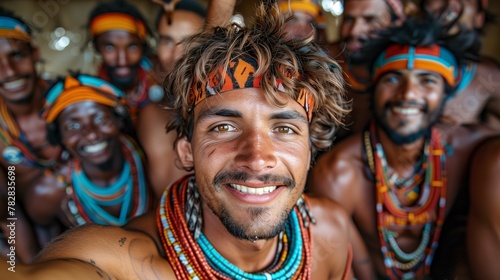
[62, 35]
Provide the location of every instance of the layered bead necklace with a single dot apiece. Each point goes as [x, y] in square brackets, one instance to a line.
[18, 150]
[192, 256]
[390, 212]
[129, 191]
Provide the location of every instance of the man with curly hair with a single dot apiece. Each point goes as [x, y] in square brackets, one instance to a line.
[251, 108]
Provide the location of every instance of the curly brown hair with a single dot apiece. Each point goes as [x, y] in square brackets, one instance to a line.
[266, 42]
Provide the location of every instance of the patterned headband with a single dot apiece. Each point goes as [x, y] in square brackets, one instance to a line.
[432, 58]
[76, 90]
[117, 21]
[14, 29]
[239, 75]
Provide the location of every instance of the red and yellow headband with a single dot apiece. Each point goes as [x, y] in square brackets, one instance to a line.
[239, 75]
[117, 21]
[14, 29]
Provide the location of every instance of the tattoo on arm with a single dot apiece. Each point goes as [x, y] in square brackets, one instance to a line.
[122, 241]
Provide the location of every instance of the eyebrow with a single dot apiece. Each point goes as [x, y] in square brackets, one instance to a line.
[289, 115]
[285, 115]
[207, 114]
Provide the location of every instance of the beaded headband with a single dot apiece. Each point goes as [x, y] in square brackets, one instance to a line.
[117, 21]
[305, 6]
[239, 75]
[14, 29]
[80, 89]
[432, 58]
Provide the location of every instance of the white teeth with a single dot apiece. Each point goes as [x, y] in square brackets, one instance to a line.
[14, 84]
[96, 147]
[257, 191]
[406, 111]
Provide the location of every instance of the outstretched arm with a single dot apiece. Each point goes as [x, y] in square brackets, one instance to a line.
[95, 252]
[483, 229]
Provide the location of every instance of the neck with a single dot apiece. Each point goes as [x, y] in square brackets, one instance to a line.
[105, 177]
[247, 255]
[400, 158]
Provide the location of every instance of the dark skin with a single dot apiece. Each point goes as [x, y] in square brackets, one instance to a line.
[84, 125]
[266, 142]
[483, 241]
[24, 100]
[341, 174]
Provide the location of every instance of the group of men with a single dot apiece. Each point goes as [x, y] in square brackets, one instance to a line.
[280, 162]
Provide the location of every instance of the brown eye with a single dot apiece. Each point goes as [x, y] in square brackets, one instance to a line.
[284, 130]
[224, 128]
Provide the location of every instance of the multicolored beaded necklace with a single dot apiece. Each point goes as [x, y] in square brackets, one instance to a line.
[193, 257]
[130, 190]
[390, 212]
[17, 149]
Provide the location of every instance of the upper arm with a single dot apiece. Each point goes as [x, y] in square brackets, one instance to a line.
[483, 232]
[331, 247]
[159, 147]
[337, 177]
[118, 253]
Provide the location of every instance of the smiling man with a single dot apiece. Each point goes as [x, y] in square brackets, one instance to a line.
[249, 117]
[119, 31]
[400, 178]
[23, 139]
[105, 177]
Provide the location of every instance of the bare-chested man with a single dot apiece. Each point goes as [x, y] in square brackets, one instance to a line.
[24, 146]
[251, 108]
[399, 179]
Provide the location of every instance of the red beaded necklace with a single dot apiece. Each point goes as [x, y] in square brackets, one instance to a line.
[390, 212]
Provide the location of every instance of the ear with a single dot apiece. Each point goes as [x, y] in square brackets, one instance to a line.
[185, 153]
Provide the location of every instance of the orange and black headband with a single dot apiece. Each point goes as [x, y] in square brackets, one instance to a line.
[117, 21]
[239, 75]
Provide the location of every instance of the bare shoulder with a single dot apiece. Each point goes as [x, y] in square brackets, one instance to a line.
[332, 219]
[466, 136]
[485, 172]
[331, 248]
[339, 173]
[119, 253]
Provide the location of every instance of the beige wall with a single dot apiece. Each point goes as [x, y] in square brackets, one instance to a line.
[46, 15]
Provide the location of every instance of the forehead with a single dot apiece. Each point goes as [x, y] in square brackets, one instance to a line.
[366, 8]
[83, 109]
[250, 102]
[8, 44]
[118, 36]
[415, 72]
[183, 22]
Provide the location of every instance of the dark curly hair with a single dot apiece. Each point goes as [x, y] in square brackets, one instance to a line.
[267, 43]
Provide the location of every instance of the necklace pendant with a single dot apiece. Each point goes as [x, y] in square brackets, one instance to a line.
[408, 276]
[12, 155]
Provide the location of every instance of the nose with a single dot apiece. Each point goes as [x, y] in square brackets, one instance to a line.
[6, 69]
[92, 134]
[256, 152]
[358, 29]
[409, 90]
[122, 58]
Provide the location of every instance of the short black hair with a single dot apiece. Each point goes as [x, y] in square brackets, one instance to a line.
[183, 5]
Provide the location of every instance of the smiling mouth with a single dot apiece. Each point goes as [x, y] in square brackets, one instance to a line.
[406, 111]
[14, 84]
[95, 148]
[253, 191]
